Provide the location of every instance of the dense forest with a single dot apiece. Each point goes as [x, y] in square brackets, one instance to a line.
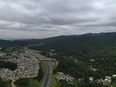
[9, 65]
[6, 83]
[8, 43]
[75, 54]
[90, 39]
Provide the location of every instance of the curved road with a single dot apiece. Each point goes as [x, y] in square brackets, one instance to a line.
[50, 74]
[46, 69]
[46, 72]
[45, 75]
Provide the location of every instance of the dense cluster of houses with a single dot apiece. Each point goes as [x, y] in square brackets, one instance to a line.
[5, 73]
[106, 81]
[27, 65]
[62, 76]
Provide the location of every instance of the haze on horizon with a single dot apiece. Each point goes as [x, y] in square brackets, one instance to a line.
[40, 19]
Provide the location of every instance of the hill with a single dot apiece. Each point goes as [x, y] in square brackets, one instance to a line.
[79, 44]
[80, 55]
[6, 43]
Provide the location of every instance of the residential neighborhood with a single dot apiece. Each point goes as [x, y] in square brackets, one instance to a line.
[62, 76]
[27, 65]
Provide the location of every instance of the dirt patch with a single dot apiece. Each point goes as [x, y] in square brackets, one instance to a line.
[53, 63]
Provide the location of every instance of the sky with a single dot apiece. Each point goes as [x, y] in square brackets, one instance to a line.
[24, 19]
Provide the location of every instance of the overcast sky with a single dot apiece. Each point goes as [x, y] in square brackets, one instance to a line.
[48, 18]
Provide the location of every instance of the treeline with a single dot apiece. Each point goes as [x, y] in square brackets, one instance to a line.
[78, 45]
[10, 49]
[40, 75]
[9, 65]
[6, 83]
[63, 83]
[22, 82]
[8, 43]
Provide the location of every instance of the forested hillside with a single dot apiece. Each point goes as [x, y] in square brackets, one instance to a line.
[78, 55]
[80, 44]
[6, 43]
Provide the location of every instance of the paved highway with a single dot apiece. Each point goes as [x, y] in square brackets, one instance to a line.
[45, 75]
[50, 74]
[46, 69]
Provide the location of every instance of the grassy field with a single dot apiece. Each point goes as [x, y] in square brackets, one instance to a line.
[33, 83]
[39, 51]
[72, 83]
[53, 64]
[53, 82]
[114, 84]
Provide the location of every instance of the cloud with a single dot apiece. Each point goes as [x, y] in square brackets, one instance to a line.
[41, 19]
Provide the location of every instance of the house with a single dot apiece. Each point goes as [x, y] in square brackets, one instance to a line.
[107, 79]
[92, 60]
[114, 75]
[91, 78]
